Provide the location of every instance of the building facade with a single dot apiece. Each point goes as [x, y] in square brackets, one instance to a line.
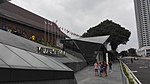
[24, 23]
[142, 11]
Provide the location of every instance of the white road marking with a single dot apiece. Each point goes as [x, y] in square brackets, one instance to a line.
[134, 71]
[143, 67]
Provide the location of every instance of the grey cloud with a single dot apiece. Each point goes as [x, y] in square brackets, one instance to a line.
[79, 15]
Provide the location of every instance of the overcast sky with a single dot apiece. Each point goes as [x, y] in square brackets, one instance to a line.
[79, 15]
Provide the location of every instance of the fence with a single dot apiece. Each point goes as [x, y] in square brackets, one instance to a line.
[124, 78]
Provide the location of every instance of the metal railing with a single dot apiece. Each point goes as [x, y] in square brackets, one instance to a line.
[125, 79]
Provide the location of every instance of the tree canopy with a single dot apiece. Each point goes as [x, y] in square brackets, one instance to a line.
[118, 35]
[132, 52]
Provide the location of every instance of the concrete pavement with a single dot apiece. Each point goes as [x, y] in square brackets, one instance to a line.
[87, 76]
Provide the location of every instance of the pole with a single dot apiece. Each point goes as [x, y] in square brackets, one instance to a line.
[51, 32]
[45, 31]
[48, 31]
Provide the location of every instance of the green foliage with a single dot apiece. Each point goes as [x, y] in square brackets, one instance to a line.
[118, 34]
[127, 74]
[124, 53]
[132, 52]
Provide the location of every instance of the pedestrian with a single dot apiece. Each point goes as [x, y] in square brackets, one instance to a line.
[131, 60]
[33, 38]
[100, 69]
[110, 65]
[96, 68]
[104, 69]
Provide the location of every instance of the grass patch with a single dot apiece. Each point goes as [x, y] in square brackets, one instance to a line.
[127, 74]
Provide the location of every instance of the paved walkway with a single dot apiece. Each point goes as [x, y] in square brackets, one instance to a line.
[87, 76]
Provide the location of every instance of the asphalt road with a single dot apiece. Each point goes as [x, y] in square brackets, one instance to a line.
[140, 68]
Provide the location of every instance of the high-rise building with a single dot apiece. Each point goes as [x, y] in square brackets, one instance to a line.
[142, 11]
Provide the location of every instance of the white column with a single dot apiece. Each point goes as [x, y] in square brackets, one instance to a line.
[107, 58]
[145, 53]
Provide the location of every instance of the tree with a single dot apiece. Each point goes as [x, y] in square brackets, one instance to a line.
[118, 35]
[123, 53]
[132, 52]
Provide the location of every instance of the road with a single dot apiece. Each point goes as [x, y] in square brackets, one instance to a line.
[140, 68]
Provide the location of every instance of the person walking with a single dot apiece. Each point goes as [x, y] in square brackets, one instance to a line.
[96, 68]
[100, 69]
[131, 60]
[110, 65]
[104, 69]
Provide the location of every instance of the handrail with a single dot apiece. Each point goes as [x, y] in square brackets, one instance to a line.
[133, 76]
[124, 78]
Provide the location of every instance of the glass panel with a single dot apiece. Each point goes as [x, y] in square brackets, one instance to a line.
[10, 58]
[2, 63]
[28, 57]
[4, 66]
[60, 64]
[47, 61]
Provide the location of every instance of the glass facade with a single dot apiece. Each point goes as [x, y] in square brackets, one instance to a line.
[28, 57]
[17, 58]
[11, 58]
[47, 62]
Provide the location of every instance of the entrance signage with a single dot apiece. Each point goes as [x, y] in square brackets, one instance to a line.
[49, 51]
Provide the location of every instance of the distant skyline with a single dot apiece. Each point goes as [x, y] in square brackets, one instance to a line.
[79, 15]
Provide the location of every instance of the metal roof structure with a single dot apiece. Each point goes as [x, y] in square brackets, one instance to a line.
[88, 46]
[97, 39]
